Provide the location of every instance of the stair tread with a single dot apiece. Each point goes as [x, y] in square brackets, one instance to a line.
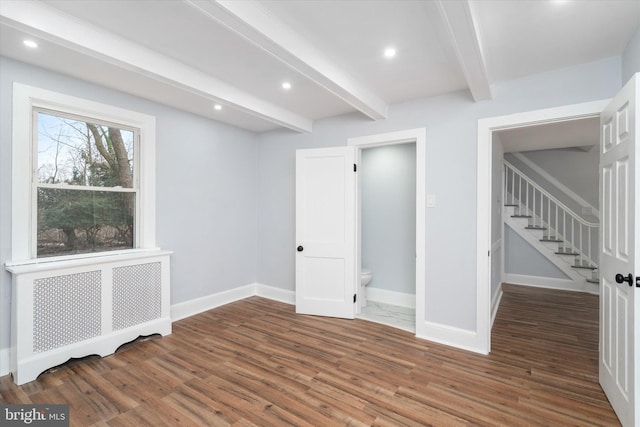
[533, 227]
[588, 267]
[521, 216]
[593, 281]
[567, 253]
[510, 206]
[551, 240]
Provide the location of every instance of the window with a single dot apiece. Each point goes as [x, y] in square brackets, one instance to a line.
[85, 184]
[83, 177]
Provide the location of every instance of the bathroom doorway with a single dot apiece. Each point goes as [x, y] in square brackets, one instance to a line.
[390, 241]
[388, 230]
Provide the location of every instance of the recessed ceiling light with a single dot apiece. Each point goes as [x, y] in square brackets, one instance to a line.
[286, 85]
[30, 43]
[389, 52]
[217, 107]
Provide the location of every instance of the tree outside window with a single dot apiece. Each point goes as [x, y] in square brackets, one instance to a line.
[86, 185]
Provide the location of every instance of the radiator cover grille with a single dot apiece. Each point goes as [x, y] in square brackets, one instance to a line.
[136, 294]
[66, 309]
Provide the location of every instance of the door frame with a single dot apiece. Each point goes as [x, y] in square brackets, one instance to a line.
[417, 136]
[486, 127]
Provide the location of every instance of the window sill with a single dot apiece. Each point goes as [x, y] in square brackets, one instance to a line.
[49, 264]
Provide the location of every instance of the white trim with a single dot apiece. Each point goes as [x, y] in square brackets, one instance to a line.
[198, 305]
[276, 294]
[195, 306]
[566, 190]
[417, 135]
[59, 28]
[400, 299]
[495, 304]
[5, 361]
[486, 127]
[25, 98]
[460, 19]
[545, 282]
[255, 23]
[449, 335]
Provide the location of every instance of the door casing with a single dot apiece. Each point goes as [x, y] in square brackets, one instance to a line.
[486, 127]
[417, 136]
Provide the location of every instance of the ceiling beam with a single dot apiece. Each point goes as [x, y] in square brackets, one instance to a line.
[59, 28]
[253, 22]
[461, 23]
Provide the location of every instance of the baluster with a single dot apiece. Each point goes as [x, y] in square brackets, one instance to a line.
[573, 235]
[549, 216]
[581, 247]
[513, 186]
[519, 193]
[526, 198]
[556, 227]
[564, 226]
[589, 243]
[533, 197]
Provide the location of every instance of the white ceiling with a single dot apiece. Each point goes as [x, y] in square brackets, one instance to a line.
[192, 54]
[581, 133]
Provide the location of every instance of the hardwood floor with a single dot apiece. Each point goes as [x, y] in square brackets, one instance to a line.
[255, 362]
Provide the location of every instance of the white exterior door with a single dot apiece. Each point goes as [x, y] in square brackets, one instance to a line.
[620, 255]
[326, 232]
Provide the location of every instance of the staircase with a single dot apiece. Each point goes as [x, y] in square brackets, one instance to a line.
[564, 238]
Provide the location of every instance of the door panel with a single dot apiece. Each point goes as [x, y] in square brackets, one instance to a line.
[325, 232]
[620, 302]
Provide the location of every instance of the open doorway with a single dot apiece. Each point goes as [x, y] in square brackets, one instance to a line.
[548, 172]
[488, 200]
[388, 228]
[414, 140]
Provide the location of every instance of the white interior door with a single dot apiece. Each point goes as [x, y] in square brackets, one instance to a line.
[326, 271]
[620, 299]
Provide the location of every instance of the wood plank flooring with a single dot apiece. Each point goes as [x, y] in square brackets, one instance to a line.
[255, 362]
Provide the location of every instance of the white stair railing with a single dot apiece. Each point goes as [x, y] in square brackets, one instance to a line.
[561, 223]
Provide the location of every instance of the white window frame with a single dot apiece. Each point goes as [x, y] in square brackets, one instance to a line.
[24, 145]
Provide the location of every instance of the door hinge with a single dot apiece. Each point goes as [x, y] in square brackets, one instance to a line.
[355, 168]
[354, 298]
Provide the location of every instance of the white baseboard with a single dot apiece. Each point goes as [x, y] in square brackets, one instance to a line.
[391, 297]
[199, 305]
[5, 364]
[544, 282]
[495, 303]
[276, 294]
[448, 335]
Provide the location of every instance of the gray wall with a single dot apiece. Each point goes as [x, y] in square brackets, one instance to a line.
[225, 197]
[631, 57]
[451, 121]
[522, 258]
[206, 190]
[388, 201]
[576, 169]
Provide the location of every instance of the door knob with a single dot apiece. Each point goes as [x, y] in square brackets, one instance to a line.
[621, 279]
[300, 248]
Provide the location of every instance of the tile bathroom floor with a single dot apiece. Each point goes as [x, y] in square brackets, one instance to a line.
[391, 315]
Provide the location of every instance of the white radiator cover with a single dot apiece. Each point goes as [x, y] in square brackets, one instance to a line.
[75, 308]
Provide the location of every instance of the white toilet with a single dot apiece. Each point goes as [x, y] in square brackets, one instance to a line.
[365, 278]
